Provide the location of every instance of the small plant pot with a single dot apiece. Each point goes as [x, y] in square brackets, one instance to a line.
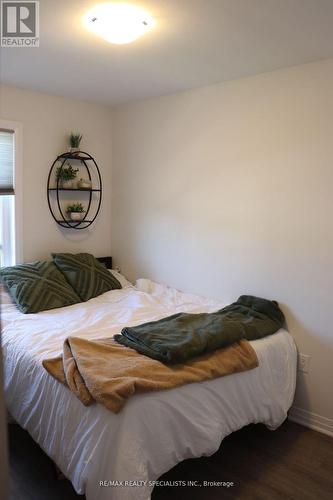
[76, 215]
[67, 184]
[74, 151]
[84, 184]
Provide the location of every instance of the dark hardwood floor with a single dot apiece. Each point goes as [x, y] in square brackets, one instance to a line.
[290, 463]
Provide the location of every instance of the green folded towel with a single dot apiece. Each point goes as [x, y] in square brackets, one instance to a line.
[181, 337]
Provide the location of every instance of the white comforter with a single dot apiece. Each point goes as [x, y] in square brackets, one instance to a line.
[154, 431]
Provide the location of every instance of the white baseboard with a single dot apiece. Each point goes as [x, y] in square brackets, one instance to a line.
[311, 420]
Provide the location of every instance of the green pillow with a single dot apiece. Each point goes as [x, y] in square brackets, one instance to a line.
[85, 274]
[38, 286]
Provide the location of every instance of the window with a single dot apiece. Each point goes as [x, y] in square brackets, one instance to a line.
[7, 198]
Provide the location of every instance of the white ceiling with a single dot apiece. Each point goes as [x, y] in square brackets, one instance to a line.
[194, 43]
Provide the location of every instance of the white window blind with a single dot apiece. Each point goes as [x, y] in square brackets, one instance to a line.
[6, 162]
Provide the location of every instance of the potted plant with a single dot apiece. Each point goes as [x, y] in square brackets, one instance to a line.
[74, 142]
[66, 175]
[84, 184]
[75, 211]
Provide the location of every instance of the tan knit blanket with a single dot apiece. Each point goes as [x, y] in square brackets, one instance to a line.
[109, 373]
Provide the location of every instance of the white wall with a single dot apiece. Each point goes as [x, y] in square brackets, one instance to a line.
[228, 189]
[46, 123]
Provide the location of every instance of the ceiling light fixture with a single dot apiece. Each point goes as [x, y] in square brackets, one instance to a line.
[118, 22]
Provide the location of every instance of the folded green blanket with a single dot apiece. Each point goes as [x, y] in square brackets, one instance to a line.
[181, 337]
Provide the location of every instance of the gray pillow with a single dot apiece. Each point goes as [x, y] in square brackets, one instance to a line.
[87, 276]
[38, 286]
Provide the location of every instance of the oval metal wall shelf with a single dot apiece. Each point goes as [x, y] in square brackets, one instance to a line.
[91, 167]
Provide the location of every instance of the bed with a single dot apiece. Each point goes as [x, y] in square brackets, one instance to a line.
[116, 456]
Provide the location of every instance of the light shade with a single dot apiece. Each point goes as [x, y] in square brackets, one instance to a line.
[6, 162]
[118, 22]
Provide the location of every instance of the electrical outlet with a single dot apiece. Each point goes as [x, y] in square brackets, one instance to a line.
[303, 363]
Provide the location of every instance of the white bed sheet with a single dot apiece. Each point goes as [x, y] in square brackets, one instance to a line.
[154, 431]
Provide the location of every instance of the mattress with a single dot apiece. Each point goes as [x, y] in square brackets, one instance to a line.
[113, 457]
